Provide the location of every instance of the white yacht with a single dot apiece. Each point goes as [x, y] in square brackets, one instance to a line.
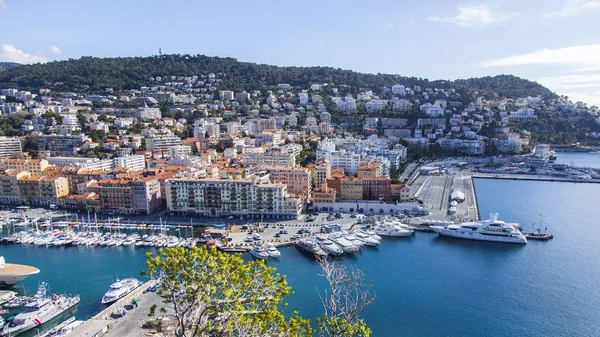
[259, 253]
[366, 238]
[39, 311]
[346, 245]
[328, 246]
[392, 230]
[273, 251]
[11, 274]
[488, 230]
[120, 289]
[310, 246]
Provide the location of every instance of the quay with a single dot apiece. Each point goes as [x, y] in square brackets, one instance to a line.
[532, 177]
[106, 323]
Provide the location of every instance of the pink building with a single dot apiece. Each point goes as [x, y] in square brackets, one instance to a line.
[298, 180]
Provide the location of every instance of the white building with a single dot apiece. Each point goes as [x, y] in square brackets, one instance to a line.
[135, 162]
[162, 142]
[10, 147]
[398, 89]
[432, 110]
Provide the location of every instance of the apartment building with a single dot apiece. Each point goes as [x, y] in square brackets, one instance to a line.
[33, 166]
[270, 159]
[156, 143]
[41, 190]
[9, 187]
[238, 197]
[10, 147]
[298, 179]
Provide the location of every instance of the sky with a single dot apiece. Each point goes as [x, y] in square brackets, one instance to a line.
[553, 42]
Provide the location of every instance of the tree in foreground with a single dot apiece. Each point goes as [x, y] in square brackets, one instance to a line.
[348, 295]
[216, 294]
[211, 293]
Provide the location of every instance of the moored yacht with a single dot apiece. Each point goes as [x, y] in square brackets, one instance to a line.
[328, 246]
[311, 246]
[120, 289]
[346, 245]
[488, 230]
[259, 252]
[11, 274]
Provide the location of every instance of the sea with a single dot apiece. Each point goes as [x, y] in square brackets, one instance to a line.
[424, 285]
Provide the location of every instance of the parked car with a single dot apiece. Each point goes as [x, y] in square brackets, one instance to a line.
[330, 218]
[338, 215]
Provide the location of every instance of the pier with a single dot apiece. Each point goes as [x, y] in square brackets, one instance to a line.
[532, 177]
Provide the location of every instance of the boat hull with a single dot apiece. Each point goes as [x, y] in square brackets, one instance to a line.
[481, 237]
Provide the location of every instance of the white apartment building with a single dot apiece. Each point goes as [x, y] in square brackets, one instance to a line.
[10, 147]
[349, 161]
[162, 142]
[225, 197]
[270, 159]
[135, 162]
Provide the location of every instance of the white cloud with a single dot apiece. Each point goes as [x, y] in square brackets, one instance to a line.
[577, 70]
[2, 4]
[580, 56]
[574, 7]
[470, 16]
[10, 53]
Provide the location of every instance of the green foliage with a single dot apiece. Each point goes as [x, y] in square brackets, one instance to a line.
[133, 72]
[218, 294]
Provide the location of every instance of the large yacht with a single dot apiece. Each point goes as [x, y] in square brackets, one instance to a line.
[120, 289]
[39, 311]
[328, 246]
[487, 230]
[11, 274]
[310, 246]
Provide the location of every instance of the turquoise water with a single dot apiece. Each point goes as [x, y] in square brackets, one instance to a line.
[579, 159]
[425, 285]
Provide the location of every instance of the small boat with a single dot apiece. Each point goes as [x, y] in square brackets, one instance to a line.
[273, 252]
[259, 252]
[393, 230]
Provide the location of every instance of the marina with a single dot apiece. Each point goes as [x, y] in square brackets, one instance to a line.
[292, 260]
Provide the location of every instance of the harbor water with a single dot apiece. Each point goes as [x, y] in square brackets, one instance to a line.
[579, 159]
[425, 285]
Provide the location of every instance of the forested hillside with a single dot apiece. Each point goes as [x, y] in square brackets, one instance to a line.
[134, 72]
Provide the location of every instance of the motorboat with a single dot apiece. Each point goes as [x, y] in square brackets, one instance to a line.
[39, 311]
[259, 252]
[346, 245]
[120, 289]
[488, 230]
[328, 246]
[311, 246]
[366, 238]
[273, 251]
[392, 230]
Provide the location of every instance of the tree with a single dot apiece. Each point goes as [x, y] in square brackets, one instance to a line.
[348, 295]
[218, 294]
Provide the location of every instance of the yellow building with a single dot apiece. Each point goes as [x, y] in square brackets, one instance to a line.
[9, 187]
[33, 166]
[324, 195]
[400, 192]
[351, 189]
[367, 170]
[42, 191]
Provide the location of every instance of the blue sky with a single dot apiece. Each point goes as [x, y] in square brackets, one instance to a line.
[556, 42]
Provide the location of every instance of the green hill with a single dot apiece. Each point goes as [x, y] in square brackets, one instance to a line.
[8, 65]
[134, 72]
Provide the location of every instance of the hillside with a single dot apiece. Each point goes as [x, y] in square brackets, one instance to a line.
[133, 72]
[8, 65]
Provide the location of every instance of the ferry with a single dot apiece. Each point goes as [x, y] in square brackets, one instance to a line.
[488, 230]
[11, 274]
[39, 311]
